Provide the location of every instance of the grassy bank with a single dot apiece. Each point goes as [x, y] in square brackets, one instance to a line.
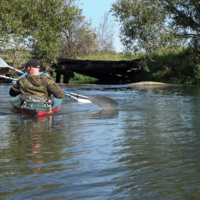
[110, 56]
[78, 79]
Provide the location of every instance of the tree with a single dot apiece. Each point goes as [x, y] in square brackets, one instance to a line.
[79, 38]
[34, 27]
[185, 20]
[82, 39]
[149, 25]
[105, 35]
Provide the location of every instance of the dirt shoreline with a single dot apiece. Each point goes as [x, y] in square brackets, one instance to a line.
[142, 83]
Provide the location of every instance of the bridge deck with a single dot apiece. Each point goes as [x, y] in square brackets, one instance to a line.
[103, 70]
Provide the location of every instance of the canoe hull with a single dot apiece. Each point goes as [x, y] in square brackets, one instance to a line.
[38, 111]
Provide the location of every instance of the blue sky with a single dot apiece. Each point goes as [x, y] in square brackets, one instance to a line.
[95, 10]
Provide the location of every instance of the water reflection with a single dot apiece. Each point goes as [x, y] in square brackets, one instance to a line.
[35, 140]
[36, 135]
[35, 119]
[35, 151]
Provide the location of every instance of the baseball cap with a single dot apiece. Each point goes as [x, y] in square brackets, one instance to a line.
[33, 63]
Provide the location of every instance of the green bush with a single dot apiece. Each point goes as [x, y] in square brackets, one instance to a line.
[179, 66]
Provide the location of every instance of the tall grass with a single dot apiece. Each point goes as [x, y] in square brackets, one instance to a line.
[110, 56]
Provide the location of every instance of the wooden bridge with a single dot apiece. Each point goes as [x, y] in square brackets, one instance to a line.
[105, 71]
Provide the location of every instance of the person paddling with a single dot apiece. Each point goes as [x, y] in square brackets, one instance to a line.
[36, 85]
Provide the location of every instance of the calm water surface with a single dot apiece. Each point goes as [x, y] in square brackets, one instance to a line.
[148, 149]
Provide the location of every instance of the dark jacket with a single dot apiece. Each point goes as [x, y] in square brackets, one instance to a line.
[36, 85]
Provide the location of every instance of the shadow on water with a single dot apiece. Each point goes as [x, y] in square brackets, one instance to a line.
[106, 114]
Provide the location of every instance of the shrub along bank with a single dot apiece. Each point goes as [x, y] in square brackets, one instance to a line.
[180, 66]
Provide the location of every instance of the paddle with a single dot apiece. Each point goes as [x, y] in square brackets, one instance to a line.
[3, 64]
[6, 77]
[79, 100]
[102, 101]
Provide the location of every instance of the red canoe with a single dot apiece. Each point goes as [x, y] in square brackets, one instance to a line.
[35, 108]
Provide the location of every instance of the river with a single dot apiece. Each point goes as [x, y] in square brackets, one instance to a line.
[148, 149]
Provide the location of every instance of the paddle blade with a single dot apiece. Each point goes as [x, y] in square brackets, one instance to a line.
[104, 102]
[3, 63]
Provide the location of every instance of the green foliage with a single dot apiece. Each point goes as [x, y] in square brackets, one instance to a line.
[197, 73]
[80, 77]
[79, 38]
[151, 25]
[34, 27]
[143, 24]
[172, 66]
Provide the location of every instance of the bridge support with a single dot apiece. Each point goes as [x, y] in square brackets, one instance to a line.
[66, 73]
